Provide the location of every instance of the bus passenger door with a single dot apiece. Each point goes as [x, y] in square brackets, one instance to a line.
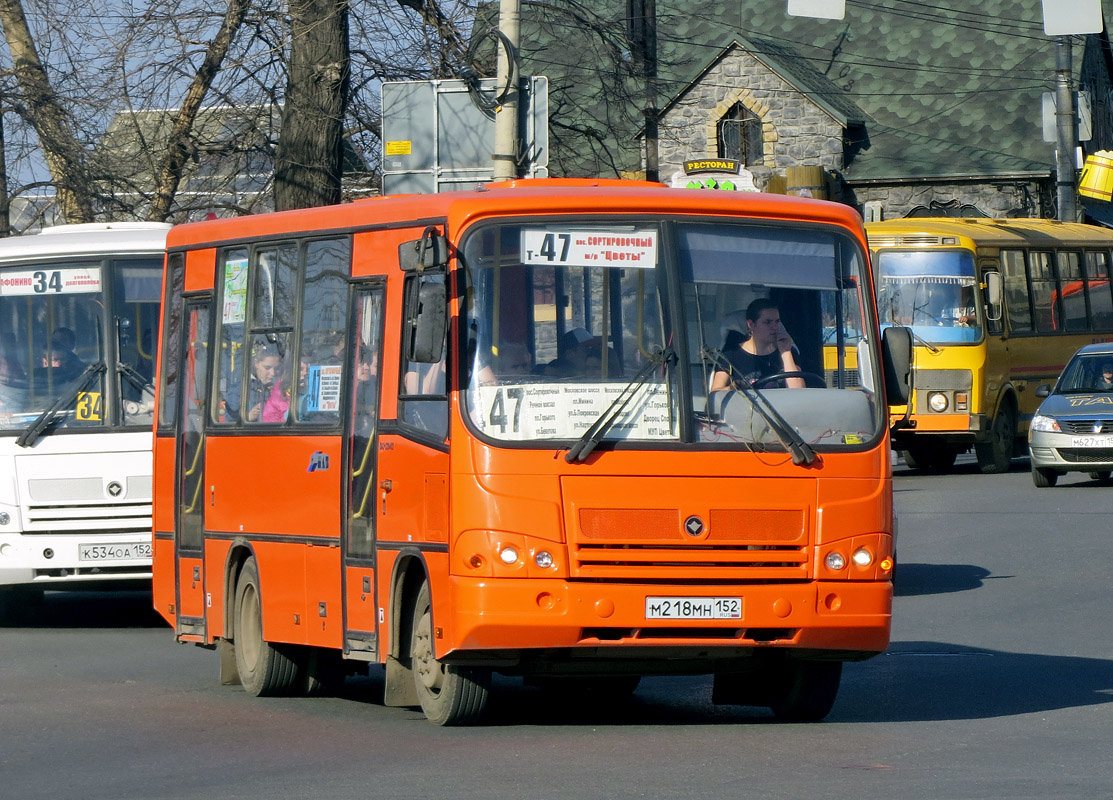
[191, 473]
[361, 444]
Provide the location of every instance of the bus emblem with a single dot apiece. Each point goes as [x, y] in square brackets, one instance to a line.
[693, 526]
[114, 489]
[318, 461]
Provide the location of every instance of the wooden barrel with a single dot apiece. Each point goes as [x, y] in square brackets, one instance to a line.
[1096, 180]
[806, 182]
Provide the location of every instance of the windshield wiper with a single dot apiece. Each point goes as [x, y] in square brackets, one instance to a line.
[135, 378]
[802, 452]
[582, 448]
[923, 341]
[47, 418]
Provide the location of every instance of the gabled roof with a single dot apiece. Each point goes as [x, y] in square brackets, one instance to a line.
[946, 89]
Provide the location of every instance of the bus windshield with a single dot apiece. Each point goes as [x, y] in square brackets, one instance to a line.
[932, 292]
[568, 326]
[61, 325]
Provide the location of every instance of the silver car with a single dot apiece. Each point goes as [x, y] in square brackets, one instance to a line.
[1072, 430]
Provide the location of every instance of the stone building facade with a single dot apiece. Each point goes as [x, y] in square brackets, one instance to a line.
[807, 121]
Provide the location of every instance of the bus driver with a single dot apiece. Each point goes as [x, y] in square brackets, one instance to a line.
[767, 351]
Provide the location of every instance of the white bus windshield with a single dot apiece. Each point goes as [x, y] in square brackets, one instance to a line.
[58, 320]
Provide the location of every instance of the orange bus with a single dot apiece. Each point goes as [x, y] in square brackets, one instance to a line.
[473, 432]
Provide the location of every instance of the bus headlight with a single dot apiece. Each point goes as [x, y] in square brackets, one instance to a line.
[1045, 424]
[835, 560]
[937, 402]
[862, 557]
[502, 554]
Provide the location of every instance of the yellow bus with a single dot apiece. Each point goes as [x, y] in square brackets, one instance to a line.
[996, 307]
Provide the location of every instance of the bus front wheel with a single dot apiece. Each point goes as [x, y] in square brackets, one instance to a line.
[808, 691]
[264, 670]
[997, 454]
[449, 695]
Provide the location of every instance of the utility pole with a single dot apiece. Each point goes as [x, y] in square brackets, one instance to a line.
[642, 32]
[505, 156]
[1066, 132]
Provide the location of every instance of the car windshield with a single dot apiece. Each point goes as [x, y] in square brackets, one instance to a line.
[931, 291]
[1086, 374]
[568, 333]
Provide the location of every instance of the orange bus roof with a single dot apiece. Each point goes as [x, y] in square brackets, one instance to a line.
[549, 196]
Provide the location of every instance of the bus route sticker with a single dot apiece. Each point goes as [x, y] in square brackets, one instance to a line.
[530, 411]
[564, 247]
[75, 280]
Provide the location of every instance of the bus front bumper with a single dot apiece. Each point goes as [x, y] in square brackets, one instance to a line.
[849, 620]
[68, 560]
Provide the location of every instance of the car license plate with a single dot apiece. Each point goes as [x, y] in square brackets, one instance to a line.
[1092, 441]
[693, 608]
[120, 551]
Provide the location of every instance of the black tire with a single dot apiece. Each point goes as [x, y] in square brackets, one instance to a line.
[1044, 478]
[996, 455]
[930, 458]
[808, 690]
[264, 669]
[1101, 475]
[449, 695]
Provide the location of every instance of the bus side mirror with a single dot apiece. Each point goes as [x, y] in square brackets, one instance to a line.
[428, 252]
[426, 318]
[896, 363]
[993, 295]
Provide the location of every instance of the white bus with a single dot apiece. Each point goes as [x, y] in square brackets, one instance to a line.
[79, 316]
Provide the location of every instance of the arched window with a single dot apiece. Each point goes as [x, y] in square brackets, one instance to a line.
[739, 136]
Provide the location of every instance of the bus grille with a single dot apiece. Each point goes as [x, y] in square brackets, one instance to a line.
[64, 518]
[920, 239]
[1085, 455]
[650, 544]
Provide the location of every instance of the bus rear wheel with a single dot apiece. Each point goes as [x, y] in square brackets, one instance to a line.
[449, 695]
[996, 455]
[264, 670]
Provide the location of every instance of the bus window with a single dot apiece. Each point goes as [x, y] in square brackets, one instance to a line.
[1016, 291]
[324, 314]
[1098, 288]
[168, 390]
[136, 299]
[1044, 288]
[422, 401]
[233, 316]
[272, 376]
[1071, 299]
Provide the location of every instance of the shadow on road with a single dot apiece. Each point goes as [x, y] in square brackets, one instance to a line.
[121, 609]
[933, 681]
[920, 579]
[912, 682]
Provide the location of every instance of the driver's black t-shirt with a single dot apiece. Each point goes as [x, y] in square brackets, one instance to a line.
[747, 367]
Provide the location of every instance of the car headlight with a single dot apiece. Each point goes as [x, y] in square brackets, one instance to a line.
[1046, 424]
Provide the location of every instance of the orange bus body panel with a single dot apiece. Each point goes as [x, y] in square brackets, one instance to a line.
[291, 499]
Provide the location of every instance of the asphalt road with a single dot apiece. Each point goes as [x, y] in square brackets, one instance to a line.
[998, 684]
